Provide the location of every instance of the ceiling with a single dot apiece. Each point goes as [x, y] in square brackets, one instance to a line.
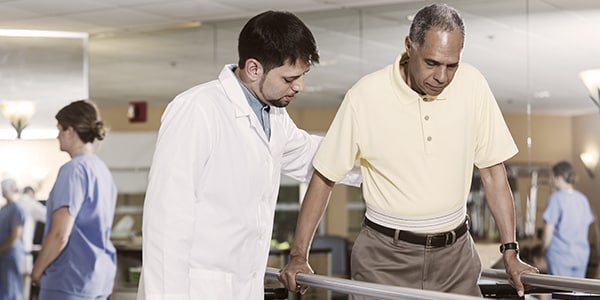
[531, 51]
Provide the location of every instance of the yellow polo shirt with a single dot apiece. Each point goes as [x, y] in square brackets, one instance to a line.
[416, 157]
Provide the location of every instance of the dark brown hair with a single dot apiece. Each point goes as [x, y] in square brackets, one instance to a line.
[84, 117]
[274, 38]
[565, 170]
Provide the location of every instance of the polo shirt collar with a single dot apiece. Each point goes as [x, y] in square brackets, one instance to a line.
[405, 94]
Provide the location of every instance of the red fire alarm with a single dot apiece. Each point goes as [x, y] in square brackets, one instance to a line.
[137, 111]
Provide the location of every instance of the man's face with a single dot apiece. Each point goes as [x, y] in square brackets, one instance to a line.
[432, 66]
[280, 85]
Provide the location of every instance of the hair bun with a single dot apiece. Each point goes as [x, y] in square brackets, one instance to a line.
[100, 130]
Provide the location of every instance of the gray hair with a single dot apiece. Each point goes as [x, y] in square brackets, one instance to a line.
[9, 187]
[438, 16]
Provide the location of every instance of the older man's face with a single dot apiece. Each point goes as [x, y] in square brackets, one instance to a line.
[432, 65]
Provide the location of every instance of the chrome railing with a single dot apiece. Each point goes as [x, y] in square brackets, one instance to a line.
[380, 291]
[585, 285]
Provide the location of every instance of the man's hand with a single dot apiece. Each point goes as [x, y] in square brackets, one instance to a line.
[35, 277]
[287, 275]
[514, 268]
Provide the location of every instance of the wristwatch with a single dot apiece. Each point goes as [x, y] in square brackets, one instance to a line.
[509, 246]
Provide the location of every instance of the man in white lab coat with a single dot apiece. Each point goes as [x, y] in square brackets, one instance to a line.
[222, 145]
[34, 212]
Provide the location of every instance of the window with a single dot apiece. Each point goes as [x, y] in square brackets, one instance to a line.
[356, 211]
[286, 213]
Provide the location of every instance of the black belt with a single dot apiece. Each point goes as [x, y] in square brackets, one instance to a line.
[436, 240]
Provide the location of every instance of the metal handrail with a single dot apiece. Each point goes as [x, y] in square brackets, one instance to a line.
[585, 285]
[381, 291]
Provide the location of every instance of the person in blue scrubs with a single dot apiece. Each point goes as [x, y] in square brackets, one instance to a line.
[12, 251]
[568, 217]
[78, 260]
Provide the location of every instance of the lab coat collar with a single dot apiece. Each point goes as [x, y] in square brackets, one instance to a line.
[235, 94]
[234, 91]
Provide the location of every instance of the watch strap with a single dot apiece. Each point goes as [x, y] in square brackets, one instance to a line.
[509, 246]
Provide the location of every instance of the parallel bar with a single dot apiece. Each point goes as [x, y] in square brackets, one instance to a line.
[585, 285]
[380, 291]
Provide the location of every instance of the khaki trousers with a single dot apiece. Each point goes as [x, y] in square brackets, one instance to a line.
[452, 269]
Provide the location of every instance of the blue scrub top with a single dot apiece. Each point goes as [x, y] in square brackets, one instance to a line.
[87, 265]
[570, 213]
[11, 260]
[11, 216]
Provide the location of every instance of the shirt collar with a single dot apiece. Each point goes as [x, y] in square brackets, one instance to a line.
[254, 103]
[407, 94]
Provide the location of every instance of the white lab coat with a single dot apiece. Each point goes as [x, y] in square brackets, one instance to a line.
[213, 185]
[34, 212]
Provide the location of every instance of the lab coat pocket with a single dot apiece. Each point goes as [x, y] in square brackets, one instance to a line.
[207, 284]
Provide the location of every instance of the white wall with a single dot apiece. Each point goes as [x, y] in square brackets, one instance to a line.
[128, 156]
[36, 162]
[32, 162]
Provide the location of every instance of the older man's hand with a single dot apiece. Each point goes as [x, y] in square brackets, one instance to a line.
[288, 274]
[515, 267]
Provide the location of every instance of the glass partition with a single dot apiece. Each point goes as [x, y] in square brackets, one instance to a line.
[47, 69]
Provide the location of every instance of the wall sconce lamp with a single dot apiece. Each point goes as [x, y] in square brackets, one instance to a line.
[18, 114]
[591, 79]
[590, 161]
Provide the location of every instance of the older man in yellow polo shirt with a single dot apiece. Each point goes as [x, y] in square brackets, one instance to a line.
[417, 128]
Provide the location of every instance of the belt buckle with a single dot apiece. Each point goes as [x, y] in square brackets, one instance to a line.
[428, 241]
[450, 238]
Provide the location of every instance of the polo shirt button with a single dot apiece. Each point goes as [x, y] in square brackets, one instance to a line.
[426, 118]
[429, 139]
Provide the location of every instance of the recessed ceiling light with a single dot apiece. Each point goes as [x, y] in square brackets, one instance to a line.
[313, 88]
[541, 94]
[42, 33]
[327, 62]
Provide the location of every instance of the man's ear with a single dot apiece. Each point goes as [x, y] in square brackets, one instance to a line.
[407, 44]
[253, 69]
